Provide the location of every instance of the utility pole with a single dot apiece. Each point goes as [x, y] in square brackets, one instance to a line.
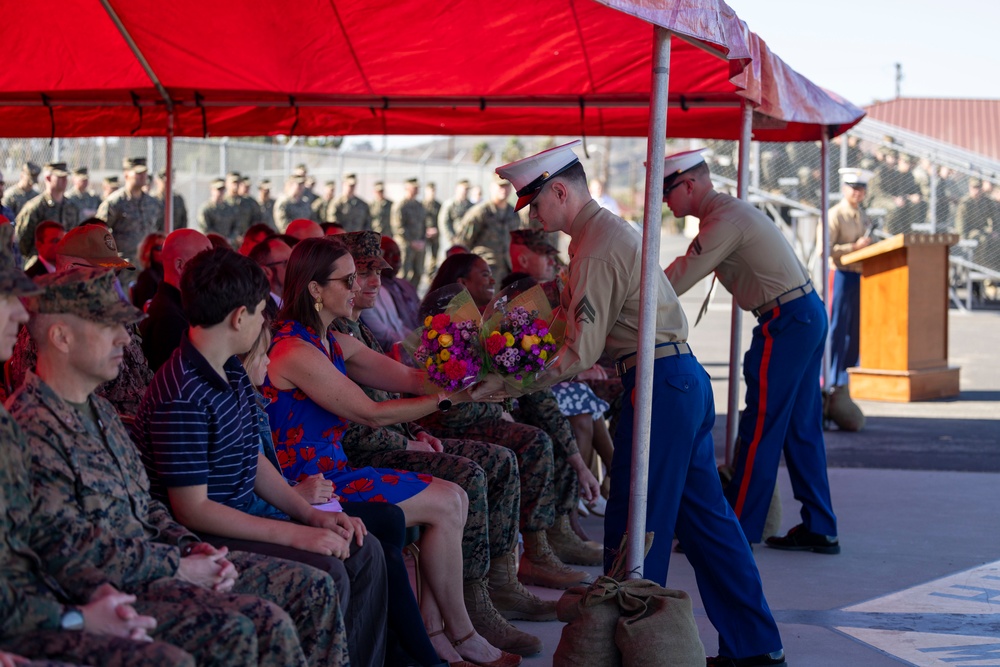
[899, 79]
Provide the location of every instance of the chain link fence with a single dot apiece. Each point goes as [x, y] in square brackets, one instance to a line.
[198, 161]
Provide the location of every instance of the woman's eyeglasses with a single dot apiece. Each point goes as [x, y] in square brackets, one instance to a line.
[347, 280]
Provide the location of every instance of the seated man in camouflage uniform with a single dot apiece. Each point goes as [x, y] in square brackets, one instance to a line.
[486, 472]
[96, 523]
[37, 617]
[93, 245]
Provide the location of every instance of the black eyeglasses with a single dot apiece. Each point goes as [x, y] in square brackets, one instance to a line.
[347, 280]
[673, 187]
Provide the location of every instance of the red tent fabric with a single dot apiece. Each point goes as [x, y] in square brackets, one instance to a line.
[322, 67]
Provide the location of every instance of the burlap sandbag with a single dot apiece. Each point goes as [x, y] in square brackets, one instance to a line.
[591, 615]
[656, 627]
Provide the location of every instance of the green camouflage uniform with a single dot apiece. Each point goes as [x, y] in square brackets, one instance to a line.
[179, 214]
[485, 230]
[96, 522]
[322, 210]
[131, 218]
[249, 214]
[32, 601]
[380, 212]
[352, 214]
[541, 410]
[125, 392]
[533, 447]
[433, 208]
[488, 473]
[229, 217]
[37, 211]
[451, 215]
[16, 197]
[286, 210]
[86, 203]
[266, 212]
[408, 217]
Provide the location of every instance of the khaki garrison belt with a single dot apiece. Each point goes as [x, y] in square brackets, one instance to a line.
[628, 362]
[790, 295]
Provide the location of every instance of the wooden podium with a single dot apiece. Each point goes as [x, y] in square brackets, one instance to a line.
[904, 319]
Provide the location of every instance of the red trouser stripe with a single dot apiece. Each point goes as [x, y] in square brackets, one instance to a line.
[765, 362]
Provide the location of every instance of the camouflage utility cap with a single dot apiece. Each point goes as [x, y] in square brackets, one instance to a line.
[12, 279]
[136, 164]
[57, 169]
[366, 249]
[534, 239]
[95, 245]
[86, 292]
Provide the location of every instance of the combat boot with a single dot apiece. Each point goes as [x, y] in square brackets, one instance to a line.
[492, 626]
[569, 548]
[541, 567]
[511, 598]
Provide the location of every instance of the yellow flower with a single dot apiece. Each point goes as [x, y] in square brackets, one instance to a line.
[509, 338]
[431, 334]
[549, 339]
[427, 321]
[543, 355]
[445, 340]
[528, 341]
[430, 362]
[445, 355]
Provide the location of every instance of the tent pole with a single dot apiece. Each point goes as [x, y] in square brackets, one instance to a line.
[736, 316]
[824, 205]
[168, 181]
[652, 224]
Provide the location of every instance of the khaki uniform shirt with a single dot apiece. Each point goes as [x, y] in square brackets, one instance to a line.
[30, 599]
[380, 211]
[16, 197]
[600, 302]
[408, 218]
[131, 218]
[847, 225]
[94, 518]
[287, 209]
[745, 249]
[485, 230]
[85, 202]
[37, 211]
[352, 214]
[451, 215]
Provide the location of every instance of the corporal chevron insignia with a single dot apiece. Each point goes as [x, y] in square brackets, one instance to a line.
[585, 311]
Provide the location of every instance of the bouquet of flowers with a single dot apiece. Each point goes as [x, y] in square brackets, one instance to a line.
[518, 334]
[448, 345]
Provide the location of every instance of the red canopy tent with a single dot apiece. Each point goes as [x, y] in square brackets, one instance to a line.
[316, 67]
[321, 67]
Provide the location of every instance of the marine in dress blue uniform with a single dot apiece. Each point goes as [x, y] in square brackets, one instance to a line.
[784, 407]
[601, 307]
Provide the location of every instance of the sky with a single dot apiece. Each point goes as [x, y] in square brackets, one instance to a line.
[946, 48]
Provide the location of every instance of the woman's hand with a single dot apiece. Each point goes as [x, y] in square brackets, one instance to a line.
[315, 489]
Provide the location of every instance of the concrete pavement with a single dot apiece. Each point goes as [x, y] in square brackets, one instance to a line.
[917, 494]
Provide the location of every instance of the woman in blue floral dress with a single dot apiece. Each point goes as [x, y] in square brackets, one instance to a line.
[313, 396]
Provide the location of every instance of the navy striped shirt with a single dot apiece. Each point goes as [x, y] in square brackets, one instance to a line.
[193, 428]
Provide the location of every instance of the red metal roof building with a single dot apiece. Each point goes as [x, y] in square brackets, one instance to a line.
[970, 124]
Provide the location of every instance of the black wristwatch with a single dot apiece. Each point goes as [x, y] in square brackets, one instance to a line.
[444, 403]
[71, 619]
